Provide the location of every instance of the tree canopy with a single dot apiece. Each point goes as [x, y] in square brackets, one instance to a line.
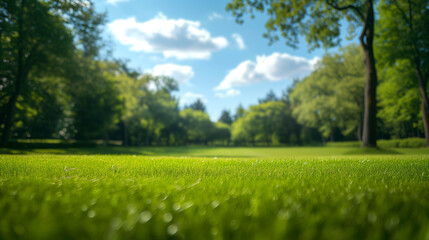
[320, 21]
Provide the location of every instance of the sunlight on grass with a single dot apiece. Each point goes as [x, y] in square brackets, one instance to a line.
[155, 197]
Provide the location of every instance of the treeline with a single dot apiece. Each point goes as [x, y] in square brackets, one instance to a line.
[58, 81]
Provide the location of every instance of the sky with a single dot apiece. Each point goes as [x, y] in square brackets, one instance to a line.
[200, 45]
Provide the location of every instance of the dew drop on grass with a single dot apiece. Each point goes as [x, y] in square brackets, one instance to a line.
[215, 204]
[187, 205]
[161, 206]
[167, 217]
[93, 202]
[91, 214]
[145, 216]
[84, 208]
[176, 207]
[172, 229]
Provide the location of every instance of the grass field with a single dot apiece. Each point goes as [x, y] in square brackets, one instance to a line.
[214, 193]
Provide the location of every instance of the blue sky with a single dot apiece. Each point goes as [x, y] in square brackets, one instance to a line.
[199, 44]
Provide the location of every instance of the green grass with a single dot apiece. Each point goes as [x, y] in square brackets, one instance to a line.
[213, 193]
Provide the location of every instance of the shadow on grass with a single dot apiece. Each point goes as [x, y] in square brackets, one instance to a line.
[76, 151]
[194, 151]
[372, 151]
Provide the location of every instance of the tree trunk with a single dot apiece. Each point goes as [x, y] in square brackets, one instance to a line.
[369, 121]
[425, 104]
[21, 75]
[124, 135]
[148, 135]
[359, 131]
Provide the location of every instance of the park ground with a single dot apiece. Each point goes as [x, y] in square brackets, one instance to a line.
[214, 193]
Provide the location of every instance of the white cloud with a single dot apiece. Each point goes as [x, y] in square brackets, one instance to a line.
[179, 38]
[272, 68]
[190, 97]
[239, 40]
[215, 16]
[181, 73]
[228, 93]
[114, 2]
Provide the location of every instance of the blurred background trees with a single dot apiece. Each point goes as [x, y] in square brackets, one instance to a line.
[58, 81]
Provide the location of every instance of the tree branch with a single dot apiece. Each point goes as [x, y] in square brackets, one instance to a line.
[362, 35]
[404, 15]
[341, 8]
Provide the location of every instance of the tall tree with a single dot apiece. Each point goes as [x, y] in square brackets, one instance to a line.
[225, 117]
[240, 112]
[270, 97]
[198, 105]
[399, 100]
[268, 123]
[40, 37]
[331, 97]
[404, 35]
[197, 125]
[320, 22]
[33, 35]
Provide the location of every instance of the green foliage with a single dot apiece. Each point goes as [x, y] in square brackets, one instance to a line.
[399, 100]
[270, 97]
[197, 125]
[41, 109]
[198, 105]
[403, 33]
[269, 123]
[225, 117]
[222, 133]
[332, 95]
[135, 197]
[41, 42]
[148, 114]
[318, 20]
[95, 98]
[240, 112]
[403, 44]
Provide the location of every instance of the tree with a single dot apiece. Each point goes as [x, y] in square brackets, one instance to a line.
[162, 109]
[149, 113]
[28, 44]
[197, 125]
[320, 21]
[198, 105]
[404, 35]
[240, 112]
[332, 96]
[94, 97]
[221, 133]
[270, 97]
[41, 109]
[225, 117]
[399, 100]
[266, 122]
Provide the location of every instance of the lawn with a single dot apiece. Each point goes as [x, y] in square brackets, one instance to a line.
[214, 193]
